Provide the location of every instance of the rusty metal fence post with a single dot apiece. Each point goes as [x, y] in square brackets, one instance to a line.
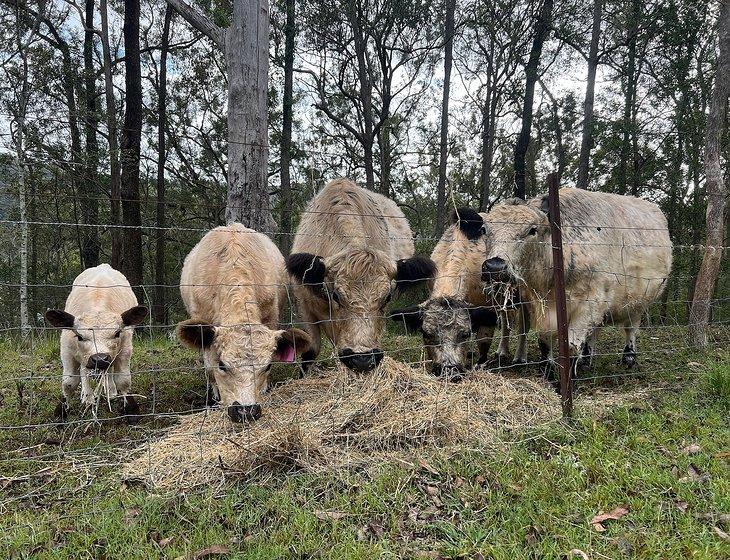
[566, 382]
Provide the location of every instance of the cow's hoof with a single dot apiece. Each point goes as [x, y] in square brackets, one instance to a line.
[61, 411]
[518, 362]
[502, 360]
[130, 410]
[629, 359]
[549, 371]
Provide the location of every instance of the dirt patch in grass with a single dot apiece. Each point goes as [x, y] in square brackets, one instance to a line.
[335, 419]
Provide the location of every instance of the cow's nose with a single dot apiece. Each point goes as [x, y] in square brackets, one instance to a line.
[361, 361]
[99, 361]
[493, 269]
[451, 372]
[244, 412]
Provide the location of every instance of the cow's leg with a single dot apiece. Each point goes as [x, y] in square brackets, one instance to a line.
[502, 356]
[588, 350]
[484, 342]
[314, 331]
[629, 354]
[122, 381]
[69, 384]
[523, 326]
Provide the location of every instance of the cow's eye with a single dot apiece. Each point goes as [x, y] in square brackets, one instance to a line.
[387, 299]
[117, 334]
[532, 231]
[79, 338]
[336, 297]
[222, 366]
[464, 335]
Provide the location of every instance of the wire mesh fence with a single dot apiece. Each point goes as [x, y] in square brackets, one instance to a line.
[454, 384]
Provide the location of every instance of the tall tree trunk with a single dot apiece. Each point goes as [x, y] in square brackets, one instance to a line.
[587, 135]
[290, 31]
[485, 170]
[90, 203]
[386, 158]
[444, 143]
[246, 47]
[111, 124]
[715, 186]
[542, 29]
[159, 309]
[629, 98]
[247, 55]
[131, 264]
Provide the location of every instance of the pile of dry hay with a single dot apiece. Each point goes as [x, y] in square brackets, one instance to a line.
[335, 419]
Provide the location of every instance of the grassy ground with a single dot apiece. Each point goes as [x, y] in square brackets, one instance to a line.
[664, 457]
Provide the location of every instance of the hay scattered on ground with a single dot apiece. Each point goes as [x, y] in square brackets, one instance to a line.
[335, 419]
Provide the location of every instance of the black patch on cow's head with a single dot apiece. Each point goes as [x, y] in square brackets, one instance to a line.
[60, 319]
[482, 317]
[411, 318]
[195, 334]
[309, 269]
[134, 315]
[469, 222]
[413, 271]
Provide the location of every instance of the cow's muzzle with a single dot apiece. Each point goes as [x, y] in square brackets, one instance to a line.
[244, 412]
[451, 372]
[495, 270]
[99, 361]
[361, 361]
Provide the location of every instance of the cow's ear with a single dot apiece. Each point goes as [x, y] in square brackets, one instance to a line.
[545, 205]
[291, 342]
[482, 317]
[411, 318]
[309, 269]
[60, 319]
[195, 334]
[469, 221]
[412, 272]
[134, 315]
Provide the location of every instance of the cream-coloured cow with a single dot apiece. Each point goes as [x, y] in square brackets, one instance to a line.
[98, 321]
[352, 252]
[233, 283]
[458, 306]
[617, 258]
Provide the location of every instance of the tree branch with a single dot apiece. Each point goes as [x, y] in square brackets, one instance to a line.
[201, 22]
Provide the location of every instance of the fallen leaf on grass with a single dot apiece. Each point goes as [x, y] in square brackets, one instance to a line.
[682, 506]
[432, 490]
[578, 552]
[426, 466]
[691, 449]
[131, 514]
[722, 534]
[615, 514]
[325, 515]
[695, 475]
[214, 550]
[167, 541]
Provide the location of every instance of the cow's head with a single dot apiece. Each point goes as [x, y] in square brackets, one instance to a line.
[352, 288]
[517, 237]
[239, 358]
[99, 336]
[446, 325]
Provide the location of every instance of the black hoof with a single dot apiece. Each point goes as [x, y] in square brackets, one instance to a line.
[629, 357]
[130, 410]
[61, 410]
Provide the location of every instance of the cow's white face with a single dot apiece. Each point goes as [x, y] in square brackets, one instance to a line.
[99, 337]
[352, 289]
[239, 358]
[515, 243]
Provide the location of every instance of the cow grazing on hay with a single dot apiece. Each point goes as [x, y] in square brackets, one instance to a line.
[98, 321]
[233, 283]
[617, 257]
[353, 251]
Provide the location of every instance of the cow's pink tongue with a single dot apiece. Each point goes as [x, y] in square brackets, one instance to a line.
[287, 355]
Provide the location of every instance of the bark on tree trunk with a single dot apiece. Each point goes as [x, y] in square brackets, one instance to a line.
[444, 143]
[286, 128]
[587, 135]
[247, 54]
[111, 119]
[131, 264]
[710, 267]
[90, 205]
[542, 29]
[159, 309]
[629, 99]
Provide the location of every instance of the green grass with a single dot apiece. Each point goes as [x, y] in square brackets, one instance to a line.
[534, 499]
